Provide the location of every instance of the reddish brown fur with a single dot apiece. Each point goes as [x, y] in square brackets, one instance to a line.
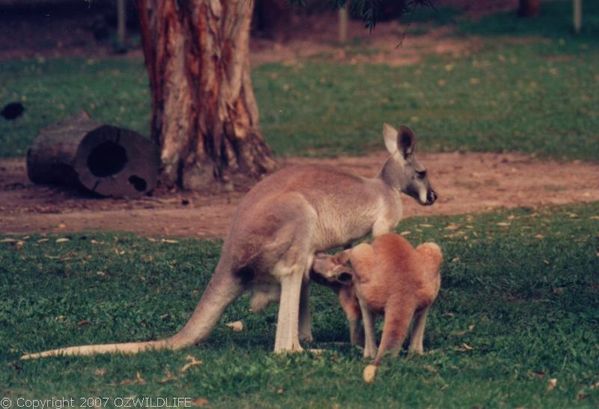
[394, 278]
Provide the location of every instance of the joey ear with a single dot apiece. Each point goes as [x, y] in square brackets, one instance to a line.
[406, 140]
[343, 257]
[390, 135]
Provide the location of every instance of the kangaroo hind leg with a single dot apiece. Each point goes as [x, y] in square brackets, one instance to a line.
[292, 270]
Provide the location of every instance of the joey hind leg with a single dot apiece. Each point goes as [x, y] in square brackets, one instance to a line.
[417, 338]
[369, 332]
[351, 307]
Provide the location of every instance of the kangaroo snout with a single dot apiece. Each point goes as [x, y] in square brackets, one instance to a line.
[431, 197]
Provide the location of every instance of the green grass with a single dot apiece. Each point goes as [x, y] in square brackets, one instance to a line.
[112, 90]
[533, 93]
[534, 98]
[518, 306]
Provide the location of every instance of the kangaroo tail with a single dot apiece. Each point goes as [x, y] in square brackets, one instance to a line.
[222, 290]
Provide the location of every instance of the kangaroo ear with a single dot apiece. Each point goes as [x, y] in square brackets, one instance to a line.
[390, 135]
[406, 140]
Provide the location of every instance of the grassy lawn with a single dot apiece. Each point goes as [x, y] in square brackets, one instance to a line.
[518, 307]
[534, 93]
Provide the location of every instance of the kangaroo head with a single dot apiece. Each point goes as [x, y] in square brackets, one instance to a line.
[334, 268]
[402, 170]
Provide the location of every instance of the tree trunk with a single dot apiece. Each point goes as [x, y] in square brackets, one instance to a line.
[204, 112]
[529, 8]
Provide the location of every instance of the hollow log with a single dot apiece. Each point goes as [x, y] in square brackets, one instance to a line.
[104, 159]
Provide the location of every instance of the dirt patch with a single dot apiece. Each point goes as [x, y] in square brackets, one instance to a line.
[466, 182]
[390, 43]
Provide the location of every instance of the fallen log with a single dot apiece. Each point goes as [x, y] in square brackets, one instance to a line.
[104, 159]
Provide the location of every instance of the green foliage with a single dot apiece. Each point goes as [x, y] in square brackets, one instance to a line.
[554, 21]
[372, 11]
[441, 15]
[518, 306]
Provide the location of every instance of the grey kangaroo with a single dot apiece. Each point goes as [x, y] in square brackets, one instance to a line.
[278, 227]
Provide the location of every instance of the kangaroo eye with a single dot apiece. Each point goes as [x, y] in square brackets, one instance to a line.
[421, 174]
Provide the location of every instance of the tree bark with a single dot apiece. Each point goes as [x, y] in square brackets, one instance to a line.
[204, 112]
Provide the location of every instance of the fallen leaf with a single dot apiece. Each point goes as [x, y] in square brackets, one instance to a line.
[405, 233]
[191, 361]
[62, 240]
[43, 240]
[503, 224]
[8, 240]
[168, 377]
[100, 372]
[19, 244]
[137, 381]
[236, 326]
[169, 241]
[83, 323]
[465, 347]
[551, 384]
[200, 402]
[62, 226]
